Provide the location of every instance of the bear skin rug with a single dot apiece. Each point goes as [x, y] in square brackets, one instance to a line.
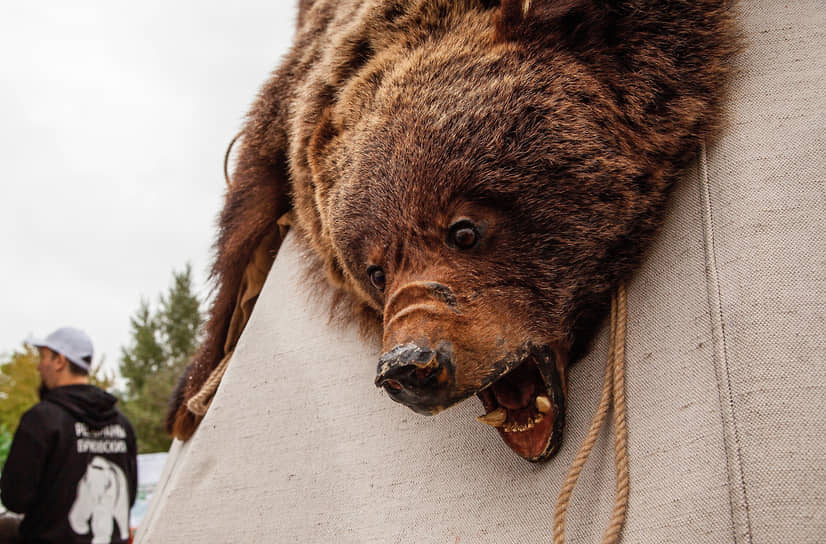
[474, 178]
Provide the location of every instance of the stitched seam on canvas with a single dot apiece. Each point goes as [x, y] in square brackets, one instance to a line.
[715, 303]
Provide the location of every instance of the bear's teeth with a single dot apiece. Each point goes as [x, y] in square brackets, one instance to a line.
[515, 427]
[495, 418]
[543, 404]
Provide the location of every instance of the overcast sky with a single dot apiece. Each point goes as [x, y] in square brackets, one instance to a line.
[114, 119]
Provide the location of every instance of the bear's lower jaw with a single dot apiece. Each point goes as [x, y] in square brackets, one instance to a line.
[527, 408]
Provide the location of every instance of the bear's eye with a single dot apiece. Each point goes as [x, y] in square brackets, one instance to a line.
[376, 275]
[463, 234]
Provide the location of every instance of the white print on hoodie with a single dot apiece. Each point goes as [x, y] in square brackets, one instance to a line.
[102, 499]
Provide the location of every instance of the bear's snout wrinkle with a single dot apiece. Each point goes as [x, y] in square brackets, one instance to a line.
[418, 301]
[409, 293]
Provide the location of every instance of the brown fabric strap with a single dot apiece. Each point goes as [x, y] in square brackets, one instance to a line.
[252, 282]
[613, 393]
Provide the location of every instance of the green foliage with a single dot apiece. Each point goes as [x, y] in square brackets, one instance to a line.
[145, 355]
[99, 378]
[147, 409]
[19, 381]
[162, 342]
[180, 317]
[6, 436]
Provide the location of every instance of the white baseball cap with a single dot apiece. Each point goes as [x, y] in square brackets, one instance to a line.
[74, 344]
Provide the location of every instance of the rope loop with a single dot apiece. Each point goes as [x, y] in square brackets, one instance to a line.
[613, 396]
[199, 402]
[226, 158]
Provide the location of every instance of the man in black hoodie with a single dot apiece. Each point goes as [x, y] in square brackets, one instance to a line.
[72, 468]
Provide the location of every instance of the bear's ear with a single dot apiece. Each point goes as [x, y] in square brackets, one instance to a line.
[540, 20]
[250, 234]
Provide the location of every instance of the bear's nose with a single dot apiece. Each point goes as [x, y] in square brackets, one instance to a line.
[418, 377]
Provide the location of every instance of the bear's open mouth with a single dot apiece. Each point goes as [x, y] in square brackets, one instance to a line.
[527, 408]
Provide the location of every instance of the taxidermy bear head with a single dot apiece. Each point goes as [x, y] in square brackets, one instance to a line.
[475, 178]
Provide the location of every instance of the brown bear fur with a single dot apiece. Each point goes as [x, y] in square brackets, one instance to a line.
[557, 127]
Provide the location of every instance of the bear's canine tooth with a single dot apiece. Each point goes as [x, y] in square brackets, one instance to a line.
[495, 418]
[543, 404]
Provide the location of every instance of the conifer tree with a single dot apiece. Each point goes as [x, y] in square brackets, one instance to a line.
[144, 356]
[162, 342]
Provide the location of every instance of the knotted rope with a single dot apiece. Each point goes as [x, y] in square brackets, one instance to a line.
[613, 393]
[199, 402]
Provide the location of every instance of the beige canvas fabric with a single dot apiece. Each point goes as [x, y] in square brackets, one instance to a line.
[726, 382]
